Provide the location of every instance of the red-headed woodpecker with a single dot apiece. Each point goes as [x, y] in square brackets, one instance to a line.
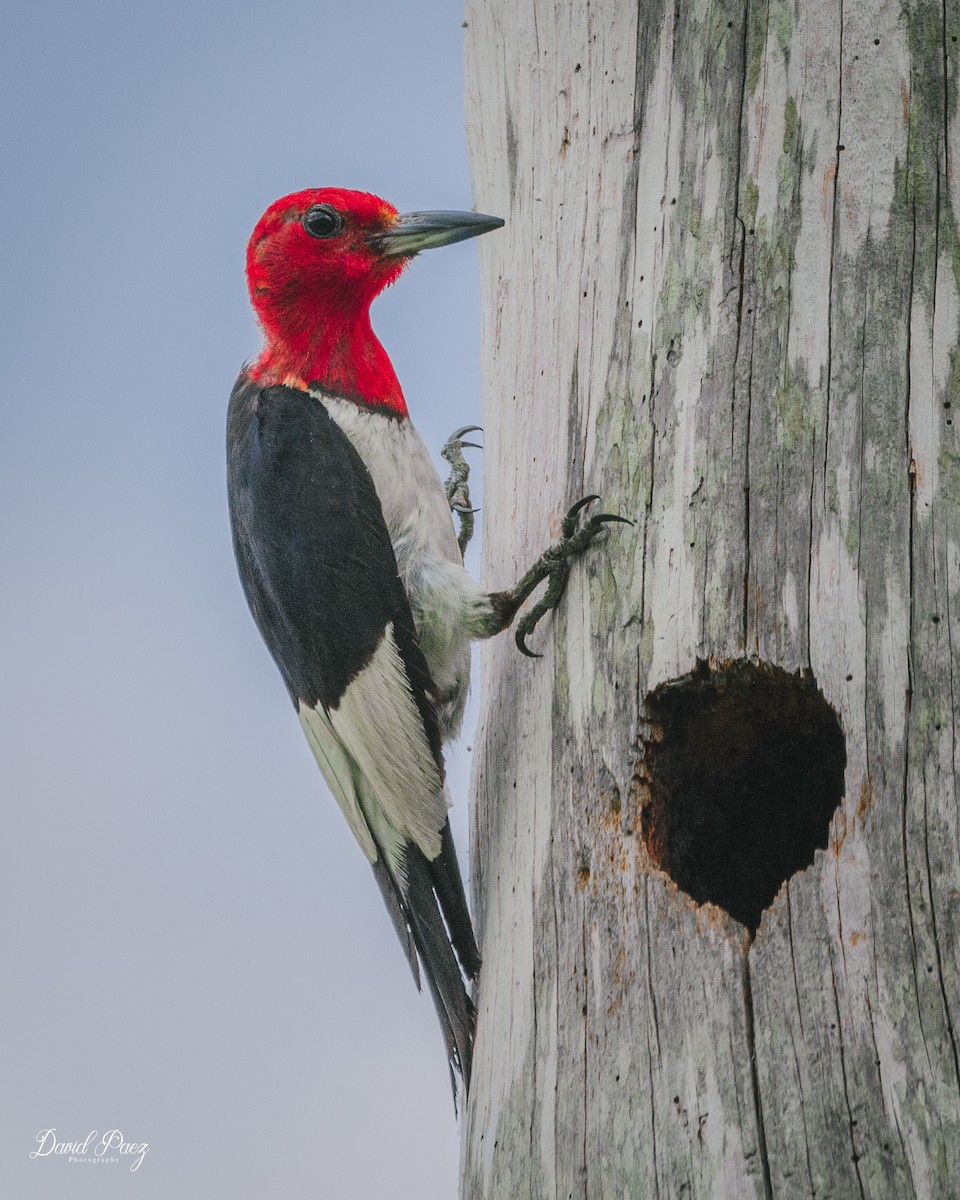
[350, 563]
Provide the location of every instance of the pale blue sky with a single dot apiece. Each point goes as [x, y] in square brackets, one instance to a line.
[194, 949]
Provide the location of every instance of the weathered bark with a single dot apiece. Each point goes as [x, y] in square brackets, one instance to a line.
[727, 300]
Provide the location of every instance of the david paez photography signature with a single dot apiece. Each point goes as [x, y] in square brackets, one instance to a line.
[111, 1147]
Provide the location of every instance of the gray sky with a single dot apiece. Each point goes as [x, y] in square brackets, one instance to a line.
[195, 951]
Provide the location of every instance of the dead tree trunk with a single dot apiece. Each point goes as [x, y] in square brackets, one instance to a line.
[728, 299]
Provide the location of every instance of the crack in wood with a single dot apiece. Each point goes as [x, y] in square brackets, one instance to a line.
[796, 1059]
[851, 1123]
[938, 954]
[754, 1080]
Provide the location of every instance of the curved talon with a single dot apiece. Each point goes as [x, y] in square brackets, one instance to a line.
[570, 520]
[457, 508]
[466, 429]
[455, 443]
[554, 565]
[520, 638]
[600, 518]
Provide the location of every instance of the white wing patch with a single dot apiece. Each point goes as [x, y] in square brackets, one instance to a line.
[380, 727]
[337, 771]
[374, 755]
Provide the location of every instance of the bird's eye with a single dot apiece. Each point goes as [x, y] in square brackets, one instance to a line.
[322, 221]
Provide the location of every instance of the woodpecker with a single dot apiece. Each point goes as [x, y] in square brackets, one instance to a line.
[350, 562]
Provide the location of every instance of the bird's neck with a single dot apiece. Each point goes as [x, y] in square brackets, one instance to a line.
[340, 354]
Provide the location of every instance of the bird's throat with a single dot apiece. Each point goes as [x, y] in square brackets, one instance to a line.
[341, 356]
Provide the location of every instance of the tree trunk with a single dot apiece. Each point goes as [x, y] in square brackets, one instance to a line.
[726, 299]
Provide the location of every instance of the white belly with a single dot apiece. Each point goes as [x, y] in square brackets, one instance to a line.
[447, 604]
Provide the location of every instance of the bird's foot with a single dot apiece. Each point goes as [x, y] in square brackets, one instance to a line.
[457, 486]
[554, 565]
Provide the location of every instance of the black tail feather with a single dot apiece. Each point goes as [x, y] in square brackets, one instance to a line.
[395, 907]
[454, 1007]
[431, 893]
[448, 884]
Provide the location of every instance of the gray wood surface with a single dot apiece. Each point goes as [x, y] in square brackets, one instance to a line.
[727, 298]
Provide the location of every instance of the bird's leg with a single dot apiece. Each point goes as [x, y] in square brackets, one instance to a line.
[458, 490]
[554, 565]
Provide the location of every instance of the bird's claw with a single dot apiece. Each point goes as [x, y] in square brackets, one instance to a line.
[458, 434]
[555, 563]
[457, 486]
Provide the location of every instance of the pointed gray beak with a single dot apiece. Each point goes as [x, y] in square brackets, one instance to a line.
[413, 232]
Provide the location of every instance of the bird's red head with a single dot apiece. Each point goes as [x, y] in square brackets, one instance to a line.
[315, 262]
[313, 273]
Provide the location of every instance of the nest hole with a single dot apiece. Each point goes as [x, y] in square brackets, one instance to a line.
[744, 768]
